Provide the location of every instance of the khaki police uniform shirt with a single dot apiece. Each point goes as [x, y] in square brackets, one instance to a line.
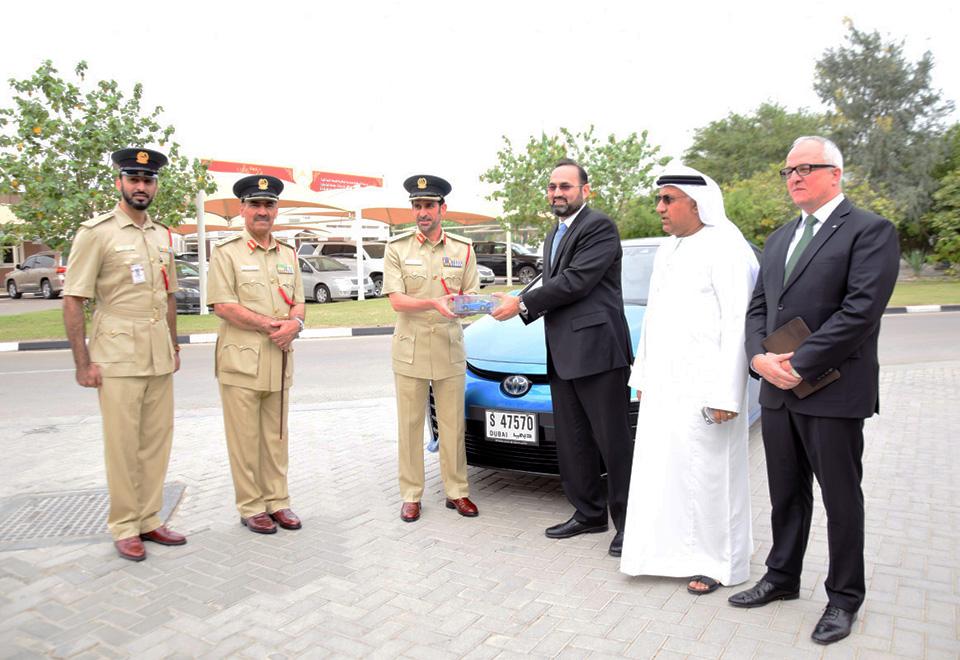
[428, 344]
[243, 272]
[122, 267]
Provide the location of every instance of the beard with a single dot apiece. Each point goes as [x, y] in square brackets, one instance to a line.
[137, 204]
[565, 208]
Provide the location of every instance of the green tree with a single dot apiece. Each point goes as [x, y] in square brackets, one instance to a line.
[619, 171]
[739, 146]
[944, 220]
[886, 117]
[55, 147]
[758, 204]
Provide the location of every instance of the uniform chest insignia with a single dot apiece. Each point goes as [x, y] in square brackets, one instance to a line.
[285, 269]
[453, 263]
[124, 248]
[253, 267]
[164, 248]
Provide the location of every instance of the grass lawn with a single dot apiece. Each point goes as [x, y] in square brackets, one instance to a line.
[35, 326]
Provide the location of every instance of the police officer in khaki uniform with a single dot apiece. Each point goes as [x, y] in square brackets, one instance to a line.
[255, 288]
[124, 261]
[423, 270]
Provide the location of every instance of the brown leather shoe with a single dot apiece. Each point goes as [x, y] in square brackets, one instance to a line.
[286, 519]
[131, 548]
[164, 536]
[410, 511]
[260, 523]
[464, 506]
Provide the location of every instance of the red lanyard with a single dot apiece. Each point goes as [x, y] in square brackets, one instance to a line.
[163, 271]
[283, 293]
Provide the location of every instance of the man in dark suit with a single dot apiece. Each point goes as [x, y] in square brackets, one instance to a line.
[834, 267]
[588, 354]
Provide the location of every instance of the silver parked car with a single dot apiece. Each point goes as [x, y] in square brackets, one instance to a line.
[346, 253]
[42, 273]
[487, 278]
[326, 279]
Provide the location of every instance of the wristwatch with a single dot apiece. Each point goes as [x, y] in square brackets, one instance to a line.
[521, 306]
[300, 321]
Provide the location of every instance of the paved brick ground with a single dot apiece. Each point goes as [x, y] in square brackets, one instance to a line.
[357, 582]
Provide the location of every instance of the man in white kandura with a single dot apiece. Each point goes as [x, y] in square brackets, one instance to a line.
[688, 512]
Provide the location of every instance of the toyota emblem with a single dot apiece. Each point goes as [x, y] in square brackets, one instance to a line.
[515, 385]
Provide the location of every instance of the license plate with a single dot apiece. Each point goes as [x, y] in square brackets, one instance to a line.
[517, 428]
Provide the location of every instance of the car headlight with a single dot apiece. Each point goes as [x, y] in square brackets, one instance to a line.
[191, 291]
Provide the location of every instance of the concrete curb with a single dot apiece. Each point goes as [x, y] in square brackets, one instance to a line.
[327, 333]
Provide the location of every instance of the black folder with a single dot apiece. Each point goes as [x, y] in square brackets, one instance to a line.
[785, 340]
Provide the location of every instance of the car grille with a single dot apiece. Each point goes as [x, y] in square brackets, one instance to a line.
[541, 459]
[497, 376]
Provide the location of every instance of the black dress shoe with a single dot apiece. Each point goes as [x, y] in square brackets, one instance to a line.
[762, 593]
[616, 545]
[833, 626]
[572, 528]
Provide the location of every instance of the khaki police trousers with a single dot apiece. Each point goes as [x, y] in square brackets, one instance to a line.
[412, 395]
[137, 435]
[258, 455]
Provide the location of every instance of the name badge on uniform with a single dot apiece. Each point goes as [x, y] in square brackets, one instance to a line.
[124, 248]
[253, 267]
[136, 274]
[285, 269]
[453, 263]
[414, 262]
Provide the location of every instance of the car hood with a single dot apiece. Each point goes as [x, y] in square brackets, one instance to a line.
[513, 346]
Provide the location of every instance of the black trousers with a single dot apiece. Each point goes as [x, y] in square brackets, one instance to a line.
[799, 447]
[592, 419]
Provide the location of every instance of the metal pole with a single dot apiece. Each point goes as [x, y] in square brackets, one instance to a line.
[509, 259]
[202, 252]
[358, 228]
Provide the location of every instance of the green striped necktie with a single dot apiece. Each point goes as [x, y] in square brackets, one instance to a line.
[801, 246]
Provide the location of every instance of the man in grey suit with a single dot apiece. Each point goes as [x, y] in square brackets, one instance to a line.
[588, 355]
[835, 267]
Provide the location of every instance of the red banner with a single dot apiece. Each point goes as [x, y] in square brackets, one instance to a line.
[282, 173]
[336, 181]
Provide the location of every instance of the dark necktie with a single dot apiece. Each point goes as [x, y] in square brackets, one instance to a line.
[556, 242]
[801, 246]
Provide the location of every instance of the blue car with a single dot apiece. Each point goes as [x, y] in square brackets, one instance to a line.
[509, 413]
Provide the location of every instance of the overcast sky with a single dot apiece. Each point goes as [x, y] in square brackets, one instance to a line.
[397, 88]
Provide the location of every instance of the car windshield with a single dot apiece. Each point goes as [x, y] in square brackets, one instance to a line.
[637, 266]
[636, 270]
[521, 249]
[325, 263]
[186, 270]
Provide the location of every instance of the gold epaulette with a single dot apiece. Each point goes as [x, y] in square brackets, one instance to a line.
[96, 221]
[406, 234]
[224, 241]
